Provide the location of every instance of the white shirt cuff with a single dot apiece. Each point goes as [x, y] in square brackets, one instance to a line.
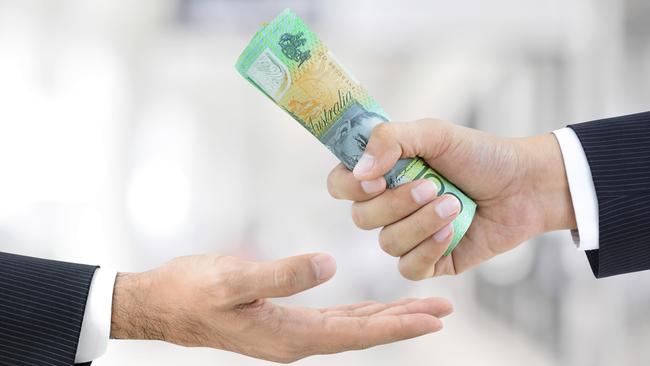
[583, 192]
[96, 326]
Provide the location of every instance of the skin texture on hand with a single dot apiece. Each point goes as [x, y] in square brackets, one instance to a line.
[221, 302]
[519, 185]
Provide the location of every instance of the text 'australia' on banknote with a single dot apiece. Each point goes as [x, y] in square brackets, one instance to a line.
[289, 63]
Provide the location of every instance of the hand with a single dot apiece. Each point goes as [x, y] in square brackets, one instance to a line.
[520, 187]
[220, 302]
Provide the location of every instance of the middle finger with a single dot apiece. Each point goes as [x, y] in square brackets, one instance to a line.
[400, 237]
[394, 204]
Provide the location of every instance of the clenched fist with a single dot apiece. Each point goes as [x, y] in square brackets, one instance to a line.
[519, 185]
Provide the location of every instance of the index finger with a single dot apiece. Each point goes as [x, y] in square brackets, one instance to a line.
[375, 324]
[347, 333]
[342, 184]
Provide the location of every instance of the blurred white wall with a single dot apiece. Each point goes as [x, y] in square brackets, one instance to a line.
[127, 138]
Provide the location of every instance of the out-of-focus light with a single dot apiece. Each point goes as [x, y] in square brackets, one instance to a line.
[158, 200]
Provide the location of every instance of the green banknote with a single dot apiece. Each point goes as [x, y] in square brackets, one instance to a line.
[288, 62]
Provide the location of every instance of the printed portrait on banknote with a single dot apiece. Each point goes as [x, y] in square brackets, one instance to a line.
[348, 136]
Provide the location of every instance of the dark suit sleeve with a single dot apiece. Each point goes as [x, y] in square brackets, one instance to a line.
[618, 153]
[42, 304]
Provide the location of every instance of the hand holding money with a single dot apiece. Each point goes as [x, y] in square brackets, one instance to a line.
[289, 63]
[520, 187]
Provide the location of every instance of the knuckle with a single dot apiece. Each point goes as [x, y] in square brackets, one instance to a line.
[443, 130]
[409, 271]
[382, 131]
[223, 295]
[359, 218]
[427, 257]
[332, 186]
[393, 203]
[387, 243]
[422, 226]
[425, 221]
[226, 272]
[286, 276]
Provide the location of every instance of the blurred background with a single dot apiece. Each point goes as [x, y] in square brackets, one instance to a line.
[127, 138]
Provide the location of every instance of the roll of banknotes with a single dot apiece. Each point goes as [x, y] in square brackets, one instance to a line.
[288, 62]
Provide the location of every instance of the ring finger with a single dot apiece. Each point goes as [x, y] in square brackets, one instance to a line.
[399, 238]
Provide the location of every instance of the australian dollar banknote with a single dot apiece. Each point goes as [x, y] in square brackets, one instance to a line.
[288, 62]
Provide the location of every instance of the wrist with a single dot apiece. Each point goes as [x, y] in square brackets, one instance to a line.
[549, 181]
[133, 316]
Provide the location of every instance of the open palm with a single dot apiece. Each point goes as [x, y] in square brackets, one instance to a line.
[286, 334]
[223, 302]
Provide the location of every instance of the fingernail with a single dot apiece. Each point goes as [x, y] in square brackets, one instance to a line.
[324, 266]
[448, 206]
[424, 192]
[364, 165]
[373, 186]
[443, 233]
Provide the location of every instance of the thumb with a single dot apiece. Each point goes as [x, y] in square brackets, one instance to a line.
[389, 142]
[291, 275]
